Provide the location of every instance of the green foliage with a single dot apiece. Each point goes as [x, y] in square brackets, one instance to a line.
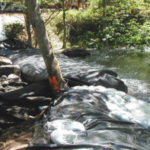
[115, 23]
[48, 1]
[12, 31]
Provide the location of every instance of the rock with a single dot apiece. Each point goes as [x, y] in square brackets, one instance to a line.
[5, 83]
[9, 69]
[13, 44]
[106, 78]
[3, 78]
[33, 67]
[11, 83]
[76, 52]
[5, 61]
[76, 71]
[2, 88]
[13, 78]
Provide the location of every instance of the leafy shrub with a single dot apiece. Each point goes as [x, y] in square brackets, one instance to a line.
[119, 23]
[13, 30]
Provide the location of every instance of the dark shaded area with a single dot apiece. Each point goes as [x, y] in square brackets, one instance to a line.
[13, 44]
[17, 105]
[76, 52]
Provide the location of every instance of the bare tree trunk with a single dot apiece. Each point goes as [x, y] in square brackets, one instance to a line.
[28, 29]
[64, 23]
[55, 77]
[104, 7]
[79, 1]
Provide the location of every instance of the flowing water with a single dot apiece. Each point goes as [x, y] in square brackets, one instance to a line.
[133, 66]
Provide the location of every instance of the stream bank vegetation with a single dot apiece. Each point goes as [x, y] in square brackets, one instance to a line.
[107, 23]
[99, 24]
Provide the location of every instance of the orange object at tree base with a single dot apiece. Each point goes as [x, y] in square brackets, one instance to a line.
[54, 82]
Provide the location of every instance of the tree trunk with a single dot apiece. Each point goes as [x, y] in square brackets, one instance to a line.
[64, 23]
[79, 1]
[28, 25]
[104, 7]
[55, 77]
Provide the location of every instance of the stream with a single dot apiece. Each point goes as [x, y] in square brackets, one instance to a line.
[133, 67]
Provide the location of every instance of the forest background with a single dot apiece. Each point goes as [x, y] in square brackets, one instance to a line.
[101, 23]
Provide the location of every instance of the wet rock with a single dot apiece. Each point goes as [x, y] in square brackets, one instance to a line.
[76, 52]
[33, 69]
[9, 69]
[106, 78]
[31, 63]
[5, 61]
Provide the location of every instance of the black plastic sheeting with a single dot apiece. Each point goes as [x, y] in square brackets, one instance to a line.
[88, 105]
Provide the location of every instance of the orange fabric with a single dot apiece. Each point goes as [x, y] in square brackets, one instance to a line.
[54, 82]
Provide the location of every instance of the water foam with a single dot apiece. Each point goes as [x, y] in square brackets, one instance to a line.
[123, 106]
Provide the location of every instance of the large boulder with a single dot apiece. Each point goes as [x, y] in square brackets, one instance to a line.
[106, 78]
[75, 70]
[76, 52]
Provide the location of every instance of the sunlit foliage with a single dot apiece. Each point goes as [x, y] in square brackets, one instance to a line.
[109, 23]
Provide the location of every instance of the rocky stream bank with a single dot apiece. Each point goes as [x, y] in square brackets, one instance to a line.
[94, 113]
